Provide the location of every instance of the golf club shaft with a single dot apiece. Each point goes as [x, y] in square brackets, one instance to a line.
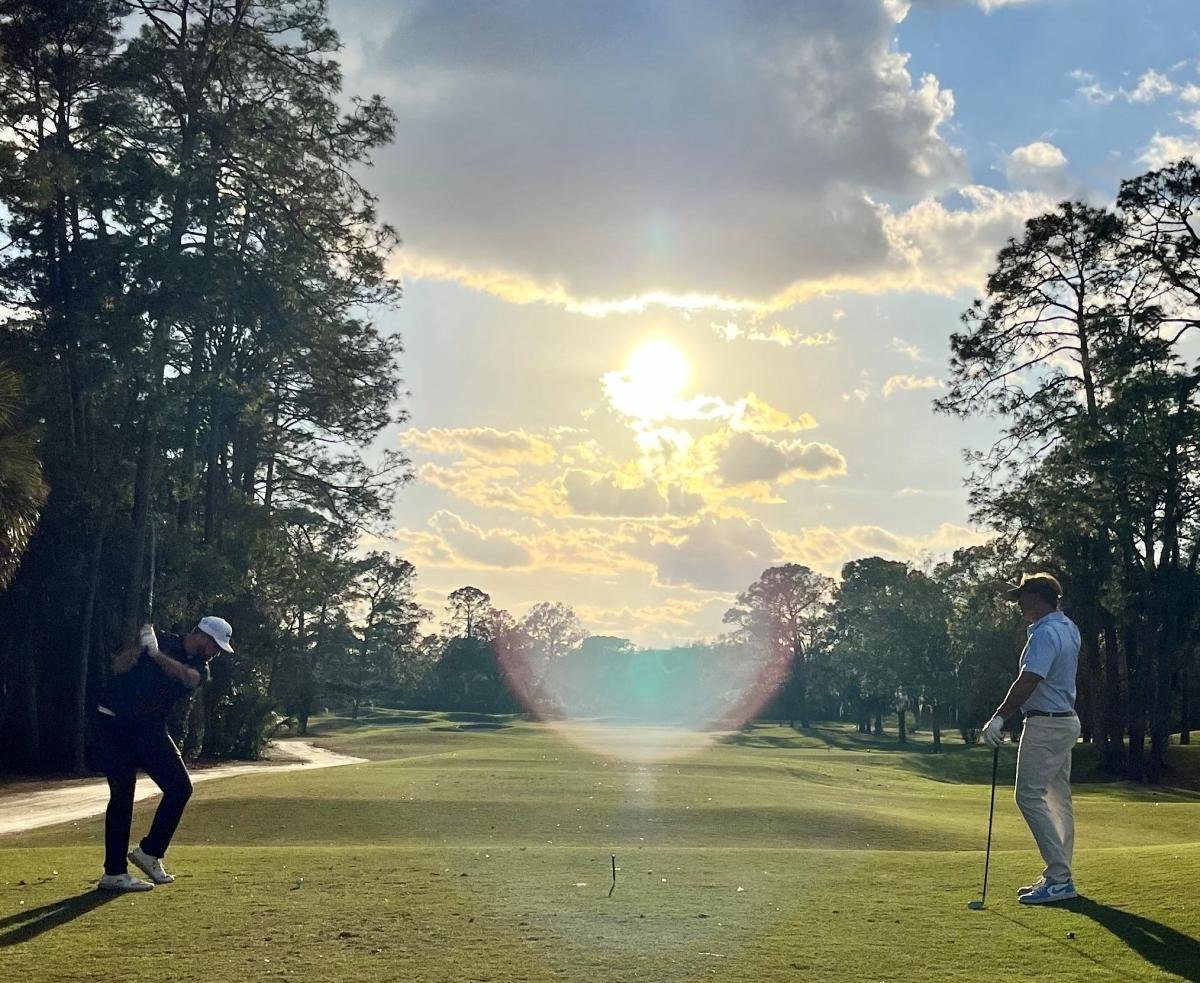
[987, 856]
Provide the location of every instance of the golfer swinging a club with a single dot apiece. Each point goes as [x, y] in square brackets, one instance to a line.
[149, 677]
[1045, 691]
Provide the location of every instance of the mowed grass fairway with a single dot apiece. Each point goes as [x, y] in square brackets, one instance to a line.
[480, 850]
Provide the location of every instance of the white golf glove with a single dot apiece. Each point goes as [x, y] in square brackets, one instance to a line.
[147, 639]
[993, 732]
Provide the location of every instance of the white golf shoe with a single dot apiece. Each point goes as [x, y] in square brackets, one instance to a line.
[123, 882]
[152, 867]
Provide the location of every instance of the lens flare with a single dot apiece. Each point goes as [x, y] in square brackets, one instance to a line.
[645, 705]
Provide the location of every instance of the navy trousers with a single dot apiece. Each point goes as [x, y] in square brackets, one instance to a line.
[128, 745]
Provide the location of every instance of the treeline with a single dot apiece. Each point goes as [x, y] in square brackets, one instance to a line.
[187, 270]
[934, 647]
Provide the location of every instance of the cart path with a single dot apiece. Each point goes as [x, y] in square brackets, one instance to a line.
[67, 803]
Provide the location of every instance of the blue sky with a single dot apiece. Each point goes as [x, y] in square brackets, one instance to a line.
[680, 276]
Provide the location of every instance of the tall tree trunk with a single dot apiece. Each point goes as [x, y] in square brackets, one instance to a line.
[135, 602]
[199, 352]
[269, 479]
[1185, 723]
[1136, 673]
[902, 732]
[1089, 685]
[191, 438]
[1166, 677]
[935, 719]
[212, 478]
[802, 700]
[1114, 724]
[77, 738]
[160, 337]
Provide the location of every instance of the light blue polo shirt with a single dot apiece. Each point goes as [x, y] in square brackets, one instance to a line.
[1052, 652]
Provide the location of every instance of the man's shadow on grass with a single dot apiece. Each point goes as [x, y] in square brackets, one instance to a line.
[26, 925]
[1167, 948]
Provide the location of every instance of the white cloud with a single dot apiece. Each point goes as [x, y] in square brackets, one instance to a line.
[989, 5]
[481, 484]
[756, 415]
[786, 337]
[749, 457]
[864, 391]
[937, 246]
[1091, 89]
[450, 542]
[827, 550]
[717, 554]
[1164, 149]
[677, 615]
[653, 121]
[893, 385]
[495, 446]
[905, 383]
[1036, 165]
[477, 547]
[1151, 86]
[941, 250]
[906, 348]
[588, 493]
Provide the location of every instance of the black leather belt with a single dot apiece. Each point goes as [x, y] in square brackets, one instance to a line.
[1047, 713]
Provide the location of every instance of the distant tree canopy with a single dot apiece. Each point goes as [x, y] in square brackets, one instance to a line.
[782, 613]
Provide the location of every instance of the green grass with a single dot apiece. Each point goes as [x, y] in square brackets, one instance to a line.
[463, 852]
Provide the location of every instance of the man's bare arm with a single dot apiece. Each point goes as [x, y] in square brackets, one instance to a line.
[186, 675]
[1020, 691]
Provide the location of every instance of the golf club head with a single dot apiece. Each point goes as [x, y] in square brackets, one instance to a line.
[975, 905]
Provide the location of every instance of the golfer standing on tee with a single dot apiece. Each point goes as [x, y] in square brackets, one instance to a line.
[1045, 691]
[149, 677]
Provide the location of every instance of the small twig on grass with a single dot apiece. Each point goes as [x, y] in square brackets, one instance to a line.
[614, 882]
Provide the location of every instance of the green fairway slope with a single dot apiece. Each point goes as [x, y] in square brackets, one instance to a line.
[480, 849]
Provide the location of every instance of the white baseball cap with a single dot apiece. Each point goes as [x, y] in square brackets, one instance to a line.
[219, 630]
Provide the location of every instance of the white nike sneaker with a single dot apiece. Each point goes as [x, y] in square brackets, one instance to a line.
[152, 867]
[123, 882]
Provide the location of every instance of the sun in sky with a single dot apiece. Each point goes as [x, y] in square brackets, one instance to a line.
[652, 381]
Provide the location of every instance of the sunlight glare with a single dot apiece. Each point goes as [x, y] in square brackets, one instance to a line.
[652, 381]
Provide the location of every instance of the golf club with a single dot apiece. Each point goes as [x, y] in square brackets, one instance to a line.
[976, 905]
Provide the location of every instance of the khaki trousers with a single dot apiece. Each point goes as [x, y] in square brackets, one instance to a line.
[1043, 792]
